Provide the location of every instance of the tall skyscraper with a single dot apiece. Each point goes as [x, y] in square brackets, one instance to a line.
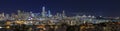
[19, 14]
[43, 11]
[7, 16]
[63, 13]
[19, 11]
[49, 14]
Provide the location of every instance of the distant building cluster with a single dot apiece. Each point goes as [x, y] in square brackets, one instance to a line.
[21, 15]
[46, 21]
[46, 15]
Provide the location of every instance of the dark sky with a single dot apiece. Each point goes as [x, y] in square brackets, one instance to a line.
[72, 7]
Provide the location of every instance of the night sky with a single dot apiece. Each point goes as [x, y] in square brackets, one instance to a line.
[71, 7]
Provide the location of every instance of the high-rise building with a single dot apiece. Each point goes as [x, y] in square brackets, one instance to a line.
[49, 14]
[63, 13]
[7, 16]
[43, 11]
[19, 13]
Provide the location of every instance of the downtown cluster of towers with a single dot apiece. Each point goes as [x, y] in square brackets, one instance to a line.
[21, 15]
[46, 15]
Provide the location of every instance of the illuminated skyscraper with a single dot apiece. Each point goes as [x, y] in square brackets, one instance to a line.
[19, 14]
[19, 11]
[49, 14]
[43, 11]
[63, 13]
[7, 16]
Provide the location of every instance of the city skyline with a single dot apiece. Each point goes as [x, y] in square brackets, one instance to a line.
[89, 7]
[59, 15]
